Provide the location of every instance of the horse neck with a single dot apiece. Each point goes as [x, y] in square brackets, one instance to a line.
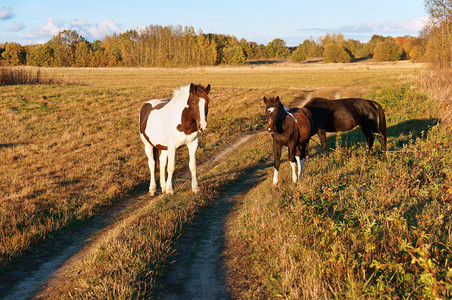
[179, 101]
[281, 115]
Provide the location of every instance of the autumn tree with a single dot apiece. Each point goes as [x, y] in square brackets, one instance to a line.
[335, 53]
[439, 47]
[14, 54]
[63, 46]
[40, 56]
[299, 55]
[374, 40]
[388, 50]
[334, 50]
[276, 49]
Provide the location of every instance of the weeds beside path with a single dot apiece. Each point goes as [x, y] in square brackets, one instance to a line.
[198, 271]
[26, 277]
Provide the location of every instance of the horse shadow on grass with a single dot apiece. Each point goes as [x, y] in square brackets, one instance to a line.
[11, 145]
[401, 134]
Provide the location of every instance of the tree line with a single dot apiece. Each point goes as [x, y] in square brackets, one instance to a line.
[170, 46]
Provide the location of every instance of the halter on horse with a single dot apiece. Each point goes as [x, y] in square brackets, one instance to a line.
[165, 125]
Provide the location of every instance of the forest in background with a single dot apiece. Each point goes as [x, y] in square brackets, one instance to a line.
[172, 46]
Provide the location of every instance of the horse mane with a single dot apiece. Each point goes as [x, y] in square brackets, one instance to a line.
[185, 89]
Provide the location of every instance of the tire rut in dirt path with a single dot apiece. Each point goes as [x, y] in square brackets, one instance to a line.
[22, 279]
[198, 271]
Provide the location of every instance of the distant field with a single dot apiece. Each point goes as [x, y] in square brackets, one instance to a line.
[68, 152]
[262, 76]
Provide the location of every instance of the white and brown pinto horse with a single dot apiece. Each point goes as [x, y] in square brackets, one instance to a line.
[291, 128]
[167, 124]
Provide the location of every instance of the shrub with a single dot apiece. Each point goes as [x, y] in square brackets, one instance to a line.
[299, 55]
[388, 50]
[335, 53]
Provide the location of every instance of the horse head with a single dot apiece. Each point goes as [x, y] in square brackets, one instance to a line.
[273, 104]
[198, 103]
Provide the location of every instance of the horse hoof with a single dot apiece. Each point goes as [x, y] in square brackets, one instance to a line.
[152, 193]
[195, 190]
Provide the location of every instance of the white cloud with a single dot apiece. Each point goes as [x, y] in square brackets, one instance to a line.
[6, 13]
[17, 26]
[141, 29]
[96, 31]
[50, 29]
[410, 27]
[89, 31]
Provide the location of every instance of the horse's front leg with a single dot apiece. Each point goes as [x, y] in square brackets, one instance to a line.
[171, 168]
[192, 164]
[163, 159]
[151, 163]
[277, 161]
[292, 151]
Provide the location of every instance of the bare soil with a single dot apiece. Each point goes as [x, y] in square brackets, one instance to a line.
[197, 269]
[23, 277]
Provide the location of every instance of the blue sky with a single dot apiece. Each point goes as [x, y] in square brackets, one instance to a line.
[31, 22]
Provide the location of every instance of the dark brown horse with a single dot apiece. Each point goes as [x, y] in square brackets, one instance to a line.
[344, 115]
[291, 128]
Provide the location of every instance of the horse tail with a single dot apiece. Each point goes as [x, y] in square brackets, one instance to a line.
[381, 121]
[156, 153]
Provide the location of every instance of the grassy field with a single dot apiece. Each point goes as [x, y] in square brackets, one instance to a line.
[70, 151]
[357, 226]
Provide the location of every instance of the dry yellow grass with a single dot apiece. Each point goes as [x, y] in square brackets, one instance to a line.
[356, 226]
[438, 84]
[67, 152]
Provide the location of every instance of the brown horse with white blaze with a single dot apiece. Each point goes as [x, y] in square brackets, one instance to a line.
[291, 128]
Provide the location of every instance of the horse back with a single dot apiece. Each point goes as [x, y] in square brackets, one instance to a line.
[340, 114]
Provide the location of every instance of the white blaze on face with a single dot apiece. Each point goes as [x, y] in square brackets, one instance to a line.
[202, 114]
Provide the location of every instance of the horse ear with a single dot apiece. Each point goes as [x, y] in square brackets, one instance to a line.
[192, 88]
[265, 100]
[277, 99]
[208, 89]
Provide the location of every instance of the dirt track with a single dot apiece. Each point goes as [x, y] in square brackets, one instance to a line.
[32, 271]
[197, 269]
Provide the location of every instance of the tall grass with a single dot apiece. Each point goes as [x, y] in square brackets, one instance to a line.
[68, 152]
[31, 76]
[438, 84]
[357, 226]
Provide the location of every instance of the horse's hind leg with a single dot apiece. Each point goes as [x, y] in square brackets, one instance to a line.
[322, 137]
[382, 139]
[369, 136]
[151, 162]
